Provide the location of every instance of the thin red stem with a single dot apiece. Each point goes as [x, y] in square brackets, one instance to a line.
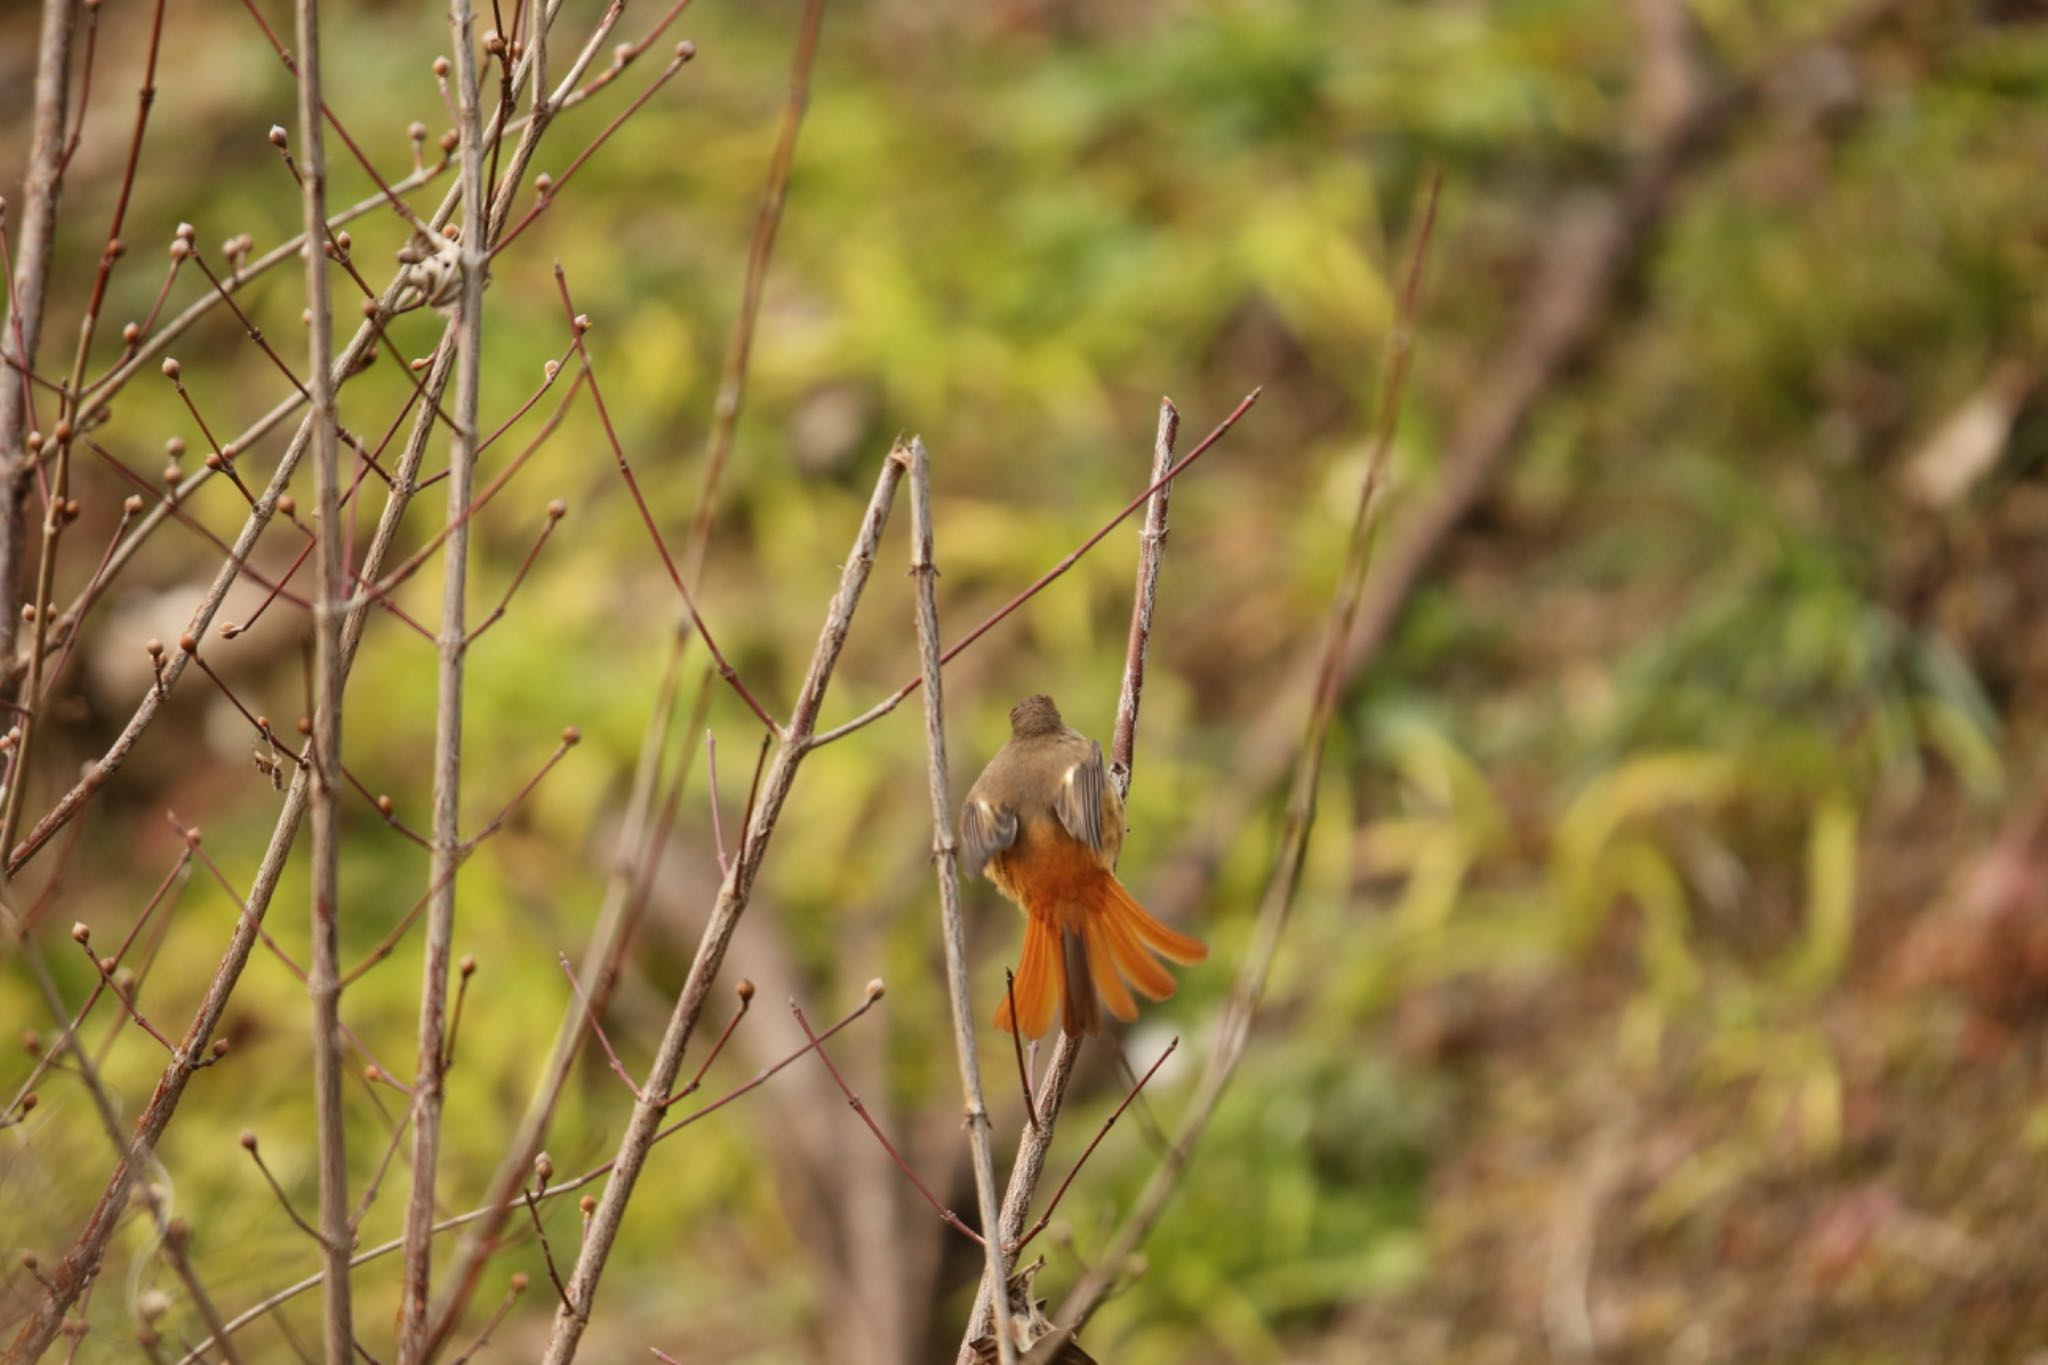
[946, 1215]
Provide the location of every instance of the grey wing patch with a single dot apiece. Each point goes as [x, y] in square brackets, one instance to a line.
[1079, 800]
[985, 831]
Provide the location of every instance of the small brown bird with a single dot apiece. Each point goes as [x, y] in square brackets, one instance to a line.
[1045, 824]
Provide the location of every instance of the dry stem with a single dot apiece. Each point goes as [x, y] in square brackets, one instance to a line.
[733, 897]
[452, 646]
[946, 863]
[44, 188]
[324, 984]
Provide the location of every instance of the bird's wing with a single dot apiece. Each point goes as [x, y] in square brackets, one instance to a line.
[1078, 802]
[986, 829]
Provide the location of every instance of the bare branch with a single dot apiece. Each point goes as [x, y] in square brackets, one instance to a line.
[589, 1177]
[44, 189]
[452, 646]
[946, 864]
[732, 379]
[733, 898]
[946, 1215]
[324, 982]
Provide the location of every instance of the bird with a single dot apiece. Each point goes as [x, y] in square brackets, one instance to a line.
[1045, 825]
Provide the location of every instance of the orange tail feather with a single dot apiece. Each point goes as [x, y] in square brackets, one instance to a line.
[1170, 944]
[1037, 983]
[1133, 959]
[1122, 940]
[1087, 943]
[1104, 959]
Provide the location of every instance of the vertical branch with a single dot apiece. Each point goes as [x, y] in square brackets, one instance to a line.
[1277, 903]
[637, 846]
[466, 1270]
[945, 859]
[1151, 549]
[59, 510]
[43, 189]
[733, 897]
[447, 855]
[324, 983]
[1036, 1144]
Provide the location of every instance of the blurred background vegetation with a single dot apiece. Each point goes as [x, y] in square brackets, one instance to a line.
[1668, 977]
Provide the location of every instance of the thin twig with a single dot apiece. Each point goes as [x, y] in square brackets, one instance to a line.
[711, 780]
[946, 865]
[597, 1027]
[1137, 1087]
[733, 898]
[177, 1239]
[946, 1215]
[745, 990]
[1017, 1042]
[483, 1338]
[324, 986]
[250, 1145]
[1044, 580]
[546, 1250]
[580, 324]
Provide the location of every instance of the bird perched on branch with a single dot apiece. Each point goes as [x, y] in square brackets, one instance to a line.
[1045, 824]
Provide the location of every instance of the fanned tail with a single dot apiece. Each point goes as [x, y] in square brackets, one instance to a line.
[1123, 913]
[1122, 942]
[1095, 946]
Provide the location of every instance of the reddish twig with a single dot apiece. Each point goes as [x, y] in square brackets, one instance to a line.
[946, 1215]
[684, 51]
[1094, 1142]
[249, 1145]
[597, 1027]
[744, 989]
[889, 703]
[739, 350]
[580, 325]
